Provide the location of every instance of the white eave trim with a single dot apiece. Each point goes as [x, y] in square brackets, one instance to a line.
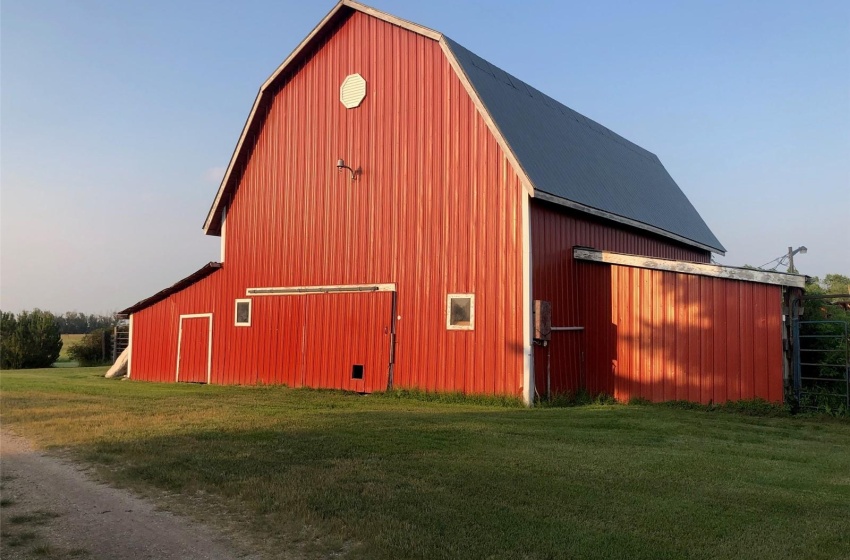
[528, 186]
[410, 26]
[685, 267]
[623, 220]
[403, 23]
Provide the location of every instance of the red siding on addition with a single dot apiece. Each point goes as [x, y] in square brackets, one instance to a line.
[436, 209]
[668, 336]
[557, 278]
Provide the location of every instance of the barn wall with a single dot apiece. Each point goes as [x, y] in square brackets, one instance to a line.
[436, 210]
[554, 233]
[669, 336]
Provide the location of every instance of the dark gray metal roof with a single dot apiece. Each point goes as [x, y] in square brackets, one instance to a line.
[571, 157]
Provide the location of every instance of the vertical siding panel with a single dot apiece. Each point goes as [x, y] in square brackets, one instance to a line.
[656, 334]
[747, 341]
[719, 330]
[694, 338]
[733, 340]
[638, 387]
[760, 341]
[774, 345]
[671, 378]
[706, 323]
[644, 313]
[682, 338]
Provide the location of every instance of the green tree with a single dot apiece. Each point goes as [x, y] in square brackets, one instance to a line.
[30, 340]
[831, 284]
[91, 349]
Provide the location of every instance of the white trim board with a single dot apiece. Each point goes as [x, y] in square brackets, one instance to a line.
[528, 380]
[130, 346]
[330, 289]
[209, 343]
[685, 267]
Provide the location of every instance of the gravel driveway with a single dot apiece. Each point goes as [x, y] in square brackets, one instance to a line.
[52, 509]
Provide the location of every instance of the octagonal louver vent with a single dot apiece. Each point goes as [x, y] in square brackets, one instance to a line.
[352, 91]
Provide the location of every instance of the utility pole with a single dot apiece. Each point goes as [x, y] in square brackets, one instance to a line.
[791, 252]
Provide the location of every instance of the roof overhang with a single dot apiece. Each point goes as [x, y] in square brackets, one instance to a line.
[686, 267]
[196, 276]
[623, 220]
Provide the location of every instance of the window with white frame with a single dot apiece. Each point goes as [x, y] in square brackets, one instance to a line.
[460, 312]
[243, 313]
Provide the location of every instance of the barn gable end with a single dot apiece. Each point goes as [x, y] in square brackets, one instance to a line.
[435, 208]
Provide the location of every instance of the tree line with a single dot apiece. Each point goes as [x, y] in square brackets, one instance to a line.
[74, 322]
[32, 339]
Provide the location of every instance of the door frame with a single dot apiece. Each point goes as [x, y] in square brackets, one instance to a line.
[209, 342]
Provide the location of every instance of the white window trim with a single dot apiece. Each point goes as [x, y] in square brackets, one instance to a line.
[236, 322]
[471, 325]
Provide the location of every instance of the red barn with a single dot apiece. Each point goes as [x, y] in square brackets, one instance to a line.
[394, 206]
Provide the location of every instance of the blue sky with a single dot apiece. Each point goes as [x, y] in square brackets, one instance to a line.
[117, 118]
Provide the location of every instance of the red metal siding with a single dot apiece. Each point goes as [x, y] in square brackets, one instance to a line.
[555, 277]
[436, 210]
[156, 330]
[364, 322]
[665, 336]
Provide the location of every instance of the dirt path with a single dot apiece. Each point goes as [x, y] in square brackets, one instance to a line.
[53, 509]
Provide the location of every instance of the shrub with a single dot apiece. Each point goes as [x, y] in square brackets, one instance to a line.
[30, 340]
[92, 349]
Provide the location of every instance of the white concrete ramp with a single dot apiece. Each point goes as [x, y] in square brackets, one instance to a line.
[119, 368]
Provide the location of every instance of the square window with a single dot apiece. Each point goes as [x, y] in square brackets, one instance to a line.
[243, 313]
[460, 312]
[357, 371]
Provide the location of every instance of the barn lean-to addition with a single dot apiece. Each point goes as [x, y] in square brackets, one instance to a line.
[463, 195]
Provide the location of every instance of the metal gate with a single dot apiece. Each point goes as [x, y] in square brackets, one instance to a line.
[822, 364]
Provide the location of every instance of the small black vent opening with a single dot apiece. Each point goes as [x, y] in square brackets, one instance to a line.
[357, 371]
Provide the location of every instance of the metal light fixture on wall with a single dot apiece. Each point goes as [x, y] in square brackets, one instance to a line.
[340, 165]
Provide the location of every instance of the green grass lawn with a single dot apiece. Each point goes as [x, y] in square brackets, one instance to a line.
[387, 477]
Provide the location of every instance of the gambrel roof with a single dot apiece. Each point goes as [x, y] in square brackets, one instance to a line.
[560, 155]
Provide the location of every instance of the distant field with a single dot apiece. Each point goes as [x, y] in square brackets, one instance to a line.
[67, 341]
[323, 473]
